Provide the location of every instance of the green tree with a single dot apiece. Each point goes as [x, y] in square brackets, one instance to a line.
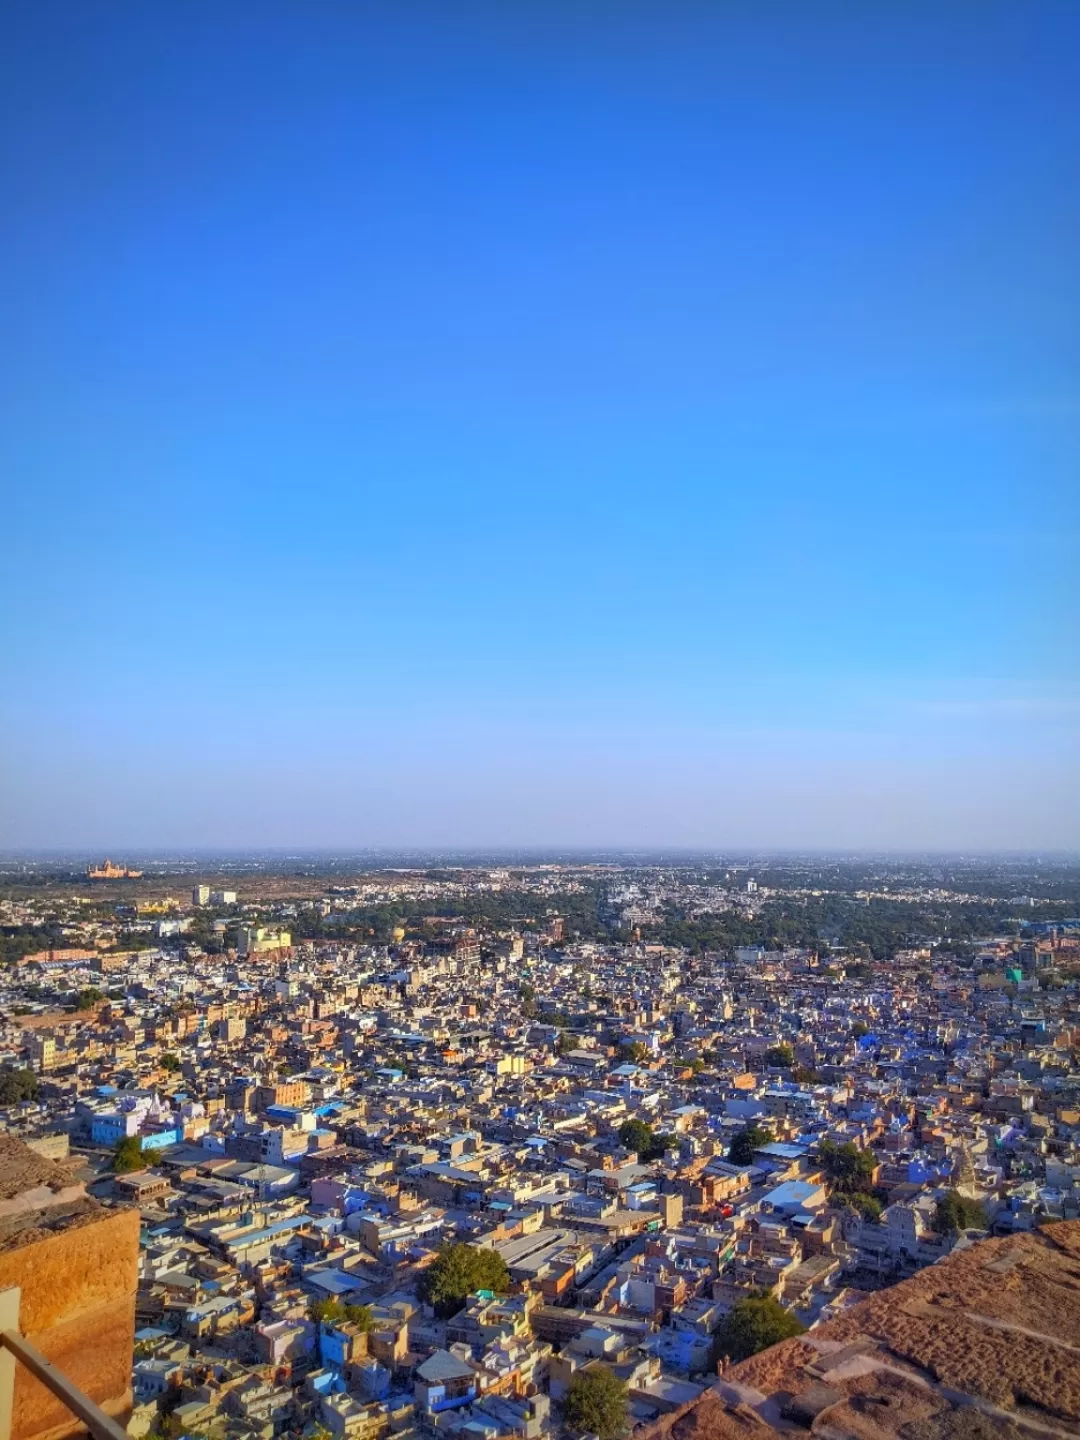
[88, 998]
[781, 1055]
[868, 1206]
[170, 1062]
[333, 1312]
[457, 1272]
[18, 1085]
[634, 1050]
[636, 1135]
[327, 1312]
[752, 1325]
[129, 1155]
[596, 1403]
[848, 1169]
[859, 1029]
[749, 1139]
[954, 1213]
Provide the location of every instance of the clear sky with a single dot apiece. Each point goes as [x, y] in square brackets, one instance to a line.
[546, 422]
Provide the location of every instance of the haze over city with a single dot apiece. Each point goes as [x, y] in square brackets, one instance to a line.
[540, 425]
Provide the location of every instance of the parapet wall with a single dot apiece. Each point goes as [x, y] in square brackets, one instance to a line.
[78, 1307]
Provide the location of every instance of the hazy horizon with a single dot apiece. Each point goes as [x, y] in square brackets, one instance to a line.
[515, 426]
[432, 856]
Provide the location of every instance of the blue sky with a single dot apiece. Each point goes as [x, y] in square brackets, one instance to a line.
[543, 423]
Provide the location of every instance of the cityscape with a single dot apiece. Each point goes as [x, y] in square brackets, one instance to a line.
[430, 1147]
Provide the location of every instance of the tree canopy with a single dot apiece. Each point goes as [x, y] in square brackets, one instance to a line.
[749, 1139]
[639, 1136]
[752, 1325]
[868, 1206]
[333, 1312]
[596, 1403]
[636, 1135]
[129, 1155]
[18, 1085]
[456, 1272]
[849, 1170]
[781, 1055]
[954, 1213]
